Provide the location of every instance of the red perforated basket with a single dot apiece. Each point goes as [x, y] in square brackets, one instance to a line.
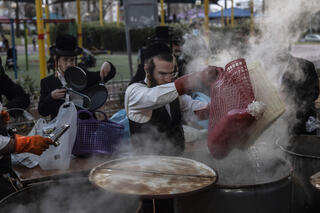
[230, 96]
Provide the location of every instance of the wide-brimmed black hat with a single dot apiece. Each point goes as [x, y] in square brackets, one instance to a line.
[154, 49]
[66, 45]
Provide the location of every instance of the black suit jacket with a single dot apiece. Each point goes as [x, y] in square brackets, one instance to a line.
[49, 106]
[16, 96]
[301, 84]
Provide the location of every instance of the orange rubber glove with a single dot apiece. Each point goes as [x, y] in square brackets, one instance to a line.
[5, 116]
[33, 144]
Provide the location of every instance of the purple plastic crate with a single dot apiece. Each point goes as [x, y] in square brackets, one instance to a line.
[96, 136]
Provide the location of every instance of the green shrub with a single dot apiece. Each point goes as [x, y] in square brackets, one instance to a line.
[112, 37]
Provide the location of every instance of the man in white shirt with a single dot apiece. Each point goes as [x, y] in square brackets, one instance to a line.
[157, 106]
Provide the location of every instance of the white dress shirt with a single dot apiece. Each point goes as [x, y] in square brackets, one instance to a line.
[140, 100]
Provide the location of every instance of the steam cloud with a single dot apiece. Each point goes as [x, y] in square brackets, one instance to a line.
[281, 25]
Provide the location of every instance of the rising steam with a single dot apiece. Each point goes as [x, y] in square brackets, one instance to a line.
[281, 25]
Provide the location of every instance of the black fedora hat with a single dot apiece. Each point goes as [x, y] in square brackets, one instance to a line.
[66, 45]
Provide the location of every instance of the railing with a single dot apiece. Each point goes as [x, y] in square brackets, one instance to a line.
[115, 102]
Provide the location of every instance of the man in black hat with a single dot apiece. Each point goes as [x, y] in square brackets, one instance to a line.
[164, 35]
[157, 106]
[65, 53]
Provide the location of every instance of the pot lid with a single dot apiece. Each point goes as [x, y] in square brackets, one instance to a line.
[153, 176]
[76, 78]
[98, 95]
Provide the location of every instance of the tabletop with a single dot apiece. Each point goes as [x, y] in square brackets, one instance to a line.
[78, 166]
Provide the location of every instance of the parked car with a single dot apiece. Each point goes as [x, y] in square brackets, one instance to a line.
[312, 37]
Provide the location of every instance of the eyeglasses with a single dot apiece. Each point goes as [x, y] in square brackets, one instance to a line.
[171, 74]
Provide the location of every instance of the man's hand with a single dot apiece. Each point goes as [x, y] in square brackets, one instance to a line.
[33, 144]
[105, 70]
[210, 74]
[58, 93]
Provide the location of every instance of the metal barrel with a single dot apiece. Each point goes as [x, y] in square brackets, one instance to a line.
[67, 195]
[303, 152]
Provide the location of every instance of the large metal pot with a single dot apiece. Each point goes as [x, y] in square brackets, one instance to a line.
[243, 185]
[68, 195]
[304, 154]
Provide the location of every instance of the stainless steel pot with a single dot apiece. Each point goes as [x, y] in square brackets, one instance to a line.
[264, 191]
[68, 195]
[304, 154]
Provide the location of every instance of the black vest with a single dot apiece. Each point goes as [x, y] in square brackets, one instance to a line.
[162, 134]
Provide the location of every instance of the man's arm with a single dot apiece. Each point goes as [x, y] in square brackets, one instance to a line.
[47, 105]
[17, 97]
[139, 97]
[95, 77]
[141, 100]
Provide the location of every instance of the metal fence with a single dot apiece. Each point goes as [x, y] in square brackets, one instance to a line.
[115, 102]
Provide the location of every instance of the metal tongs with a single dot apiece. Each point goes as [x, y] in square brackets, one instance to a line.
[57, 133]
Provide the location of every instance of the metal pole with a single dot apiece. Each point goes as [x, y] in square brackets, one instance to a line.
[13, 50]
[42, 56]
[222, 17]
[162, 13]
[79, 24]
[118, 14]
[251, 17]
[206, 15]
[225, 17]
[48, 27]
[26, 45]
[101, 12]
[129, 51]
[232, 14]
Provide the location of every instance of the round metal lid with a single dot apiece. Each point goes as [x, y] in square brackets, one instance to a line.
[153, 176]
[98, 95]
[76, 78]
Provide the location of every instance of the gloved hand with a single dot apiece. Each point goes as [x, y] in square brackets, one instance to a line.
[5, 117]
[33, 144]
[195, 81]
